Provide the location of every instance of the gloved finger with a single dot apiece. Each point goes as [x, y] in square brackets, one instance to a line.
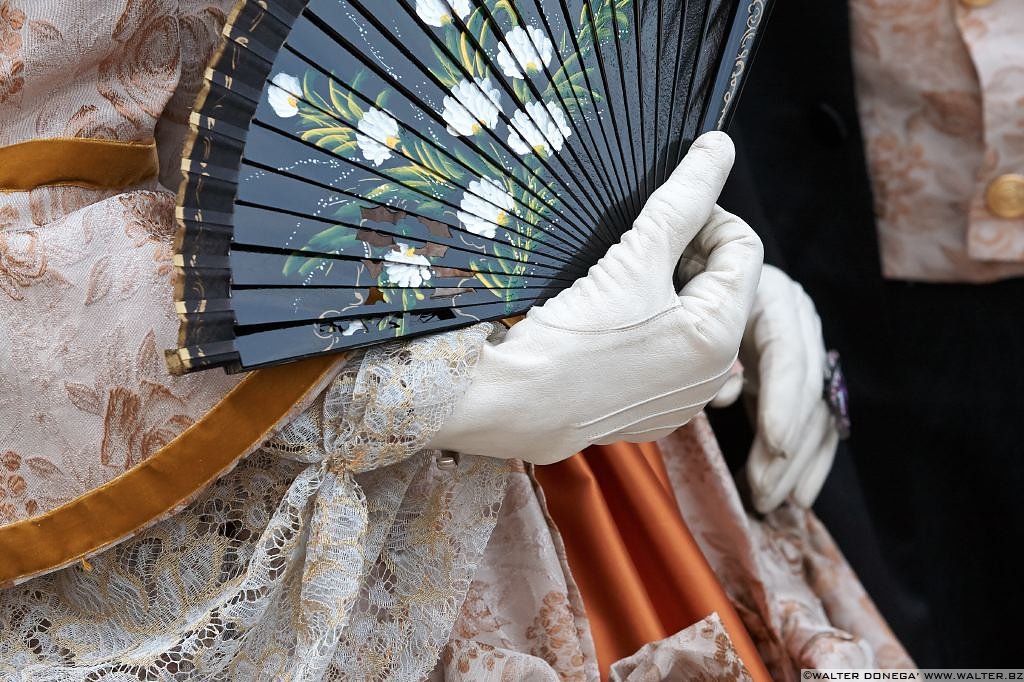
[810, 484]
[730, 391]
[678, 209]
[772, 484]
[690, 265]
[813, 344]
[792, 369]
[782, 368]
[719, 299]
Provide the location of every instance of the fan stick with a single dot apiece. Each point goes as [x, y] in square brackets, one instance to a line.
[293, 193]
[437, 91]
[740, 46]
[701, 80]
[574, 107]
[276, 152]
[254, 268]
[540, 114]
[221, 184]
[220, 258]
[608, 61]
[434, 147]
[267, 347]
[588, 57]
[260, 307]
[270, 227]
[567, 54]
[554, 164]
[274, 346]
[249, 191]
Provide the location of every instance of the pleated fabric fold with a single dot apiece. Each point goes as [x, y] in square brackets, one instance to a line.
[642, 575]
[659, 543]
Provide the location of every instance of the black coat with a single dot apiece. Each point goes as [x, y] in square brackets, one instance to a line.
[936, 372]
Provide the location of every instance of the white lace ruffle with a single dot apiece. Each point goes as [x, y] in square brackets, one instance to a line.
[337, 551]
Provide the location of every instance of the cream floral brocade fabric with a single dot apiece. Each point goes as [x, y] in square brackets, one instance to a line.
[523, 618]
[798, 597]
[337, 551]
[941, 93]
[85, 275]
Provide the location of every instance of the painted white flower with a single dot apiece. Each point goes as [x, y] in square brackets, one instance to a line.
[353, 327]
[485, 206]
[405, 268]
[284, 94]
[531, 51]
[378, 135]
[472, 106]
[540, 129]
[439, 12]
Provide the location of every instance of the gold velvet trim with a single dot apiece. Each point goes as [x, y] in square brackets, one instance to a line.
[77, 161]
[235, 427]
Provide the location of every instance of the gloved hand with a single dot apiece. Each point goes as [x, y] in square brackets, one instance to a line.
[620, 355]
[783, 356]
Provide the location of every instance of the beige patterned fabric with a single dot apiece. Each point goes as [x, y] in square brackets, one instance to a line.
[798, 598]
[700, 653]
[85, 275]
[338, 551]
[335, 551]
[524, 618]
[941, 94]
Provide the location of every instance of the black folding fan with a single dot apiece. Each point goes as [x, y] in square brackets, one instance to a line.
[362, 170]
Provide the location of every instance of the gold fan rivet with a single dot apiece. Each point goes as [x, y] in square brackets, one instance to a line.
[974, 4]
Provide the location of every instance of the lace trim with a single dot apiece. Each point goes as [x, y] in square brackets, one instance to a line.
[337, 550]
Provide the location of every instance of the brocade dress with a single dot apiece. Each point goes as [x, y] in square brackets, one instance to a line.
[335, 547]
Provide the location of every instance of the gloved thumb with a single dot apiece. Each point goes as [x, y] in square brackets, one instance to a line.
[731, 389]
[634, 278]
[678, 209]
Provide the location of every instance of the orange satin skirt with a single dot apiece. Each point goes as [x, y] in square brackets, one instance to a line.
[641, 574]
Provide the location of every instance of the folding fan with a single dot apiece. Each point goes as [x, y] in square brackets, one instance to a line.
[363, 170]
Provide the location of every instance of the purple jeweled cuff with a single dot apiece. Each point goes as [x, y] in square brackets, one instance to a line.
[836, 394]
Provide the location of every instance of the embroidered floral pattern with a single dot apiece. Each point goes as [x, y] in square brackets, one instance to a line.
[702, 652]
[140, 75]
[522, 603]
[85, 275]
[149, 217]
[553, 632]
[134, 426]
[938, 89]
[22, 259]
[15, 498]
[11, 21]
[12, 80]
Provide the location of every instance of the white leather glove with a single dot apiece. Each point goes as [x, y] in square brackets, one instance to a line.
[783, 356]
[620, 355]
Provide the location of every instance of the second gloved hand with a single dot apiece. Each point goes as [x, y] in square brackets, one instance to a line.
[783, 356]
[621, 355]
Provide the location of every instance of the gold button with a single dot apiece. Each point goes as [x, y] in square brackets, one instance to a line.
[975, 3]
[1005, 196]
